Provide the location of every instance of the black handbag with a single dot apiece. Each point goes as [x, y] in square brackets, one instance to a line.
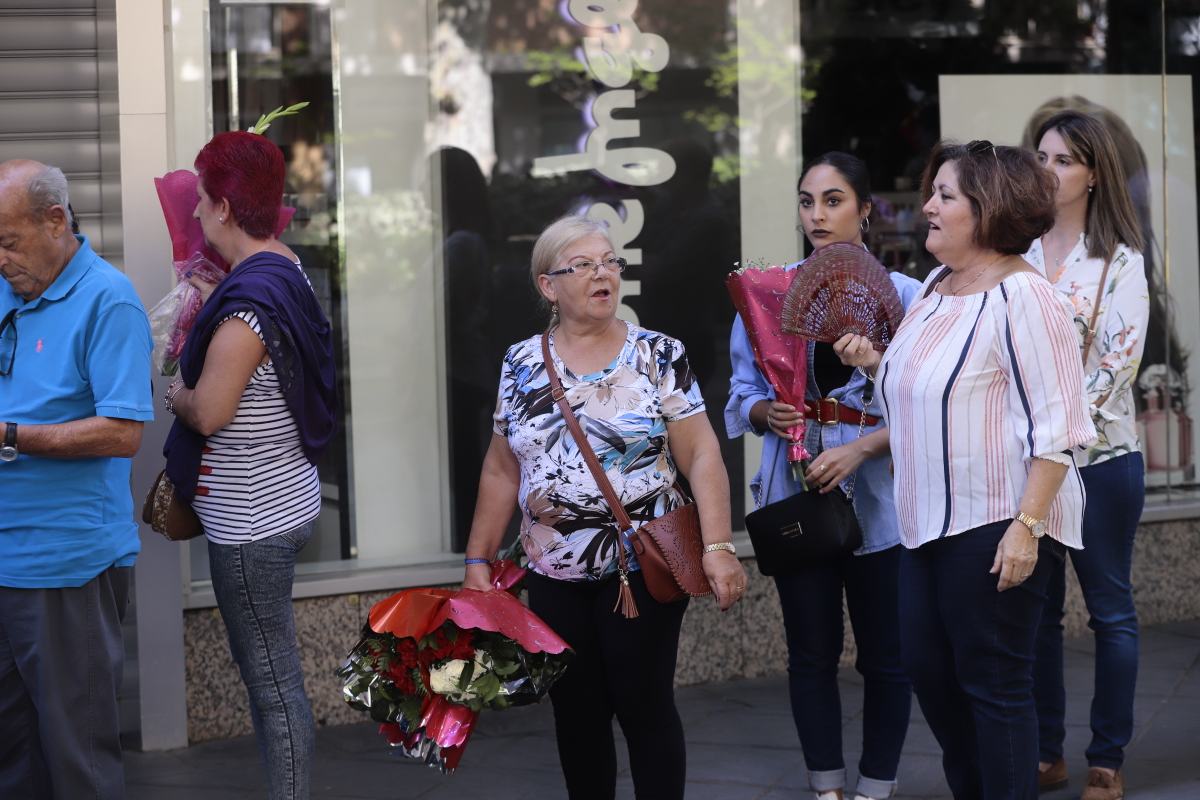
[808, 526]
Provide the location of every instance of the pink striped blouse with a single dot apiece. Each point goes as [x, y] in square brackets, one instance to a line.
[974, 387]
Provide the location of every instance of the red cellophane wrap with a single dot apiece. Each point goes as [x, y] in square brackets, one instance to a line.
[758, 293]
[417, 612]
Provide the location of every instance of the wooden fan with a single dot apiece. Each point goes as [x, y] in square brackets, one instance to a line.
[842, 289]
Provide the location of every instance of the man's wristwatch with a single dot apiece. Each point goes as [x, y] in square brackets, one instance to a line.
[1036, 526]
[8, 450]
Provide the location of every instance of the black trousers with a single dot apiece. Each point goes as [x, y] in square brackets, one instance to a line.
[60, 670]
[622, 667]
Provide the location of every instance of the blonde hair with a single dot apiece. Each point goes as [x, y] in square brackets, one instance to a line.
[557, 237]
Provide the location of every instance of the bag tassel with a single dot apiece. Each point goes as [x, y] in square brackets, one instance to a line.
[625, 602]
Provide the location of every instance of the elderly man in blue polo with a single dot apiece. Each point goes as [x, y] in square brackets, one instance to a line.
[74, 393]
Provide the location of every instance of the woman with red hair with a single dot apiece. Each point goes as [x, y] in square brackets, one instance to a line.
[254, 410]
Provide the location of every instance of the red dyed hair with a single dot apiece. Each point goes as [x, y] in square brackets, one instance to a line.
[246, 169]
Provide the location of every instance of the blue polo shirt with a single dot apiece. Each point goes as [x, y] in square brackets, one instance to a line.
[83, 350]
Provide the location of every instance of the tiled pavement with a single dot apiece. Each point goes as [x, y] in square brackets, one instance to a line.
[741, 745]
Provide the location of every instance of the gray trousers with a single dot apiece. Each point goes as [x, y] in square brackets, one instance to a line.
[60, 669]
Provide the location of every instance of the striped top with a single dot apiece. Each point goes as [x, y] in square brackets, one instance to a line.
[974, 387]
[255, 480]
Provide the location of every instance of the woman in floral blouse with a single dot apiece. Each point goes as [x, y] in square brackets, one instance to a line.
[1095, 239]
[640, 405]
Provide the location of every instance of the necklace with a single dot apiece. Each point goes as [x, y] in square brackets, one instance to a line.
[957, 291]
[1059, 265]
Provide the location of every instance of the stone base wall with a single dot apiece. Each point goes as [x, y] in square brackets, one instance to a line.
[746, 641]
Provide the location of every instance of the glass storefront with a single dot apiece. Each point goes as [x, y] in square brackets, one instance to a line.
[443, 136]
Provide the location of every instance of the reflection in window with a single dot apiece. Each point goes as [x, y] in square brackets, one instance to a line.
[264, 56]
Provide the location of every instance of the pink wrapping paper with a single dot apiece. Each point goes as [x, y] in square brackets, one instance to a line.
[177, 196]
[758, 293]
[417, 612]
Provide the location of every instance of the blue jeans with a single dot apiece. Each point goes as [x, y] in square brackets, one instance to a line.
[253, 585]
[1115, 493]
[812, 618]
[969, 651]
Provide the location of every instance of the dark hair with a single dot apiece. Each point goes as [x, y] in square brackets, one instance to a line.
[247, 170]
[1011, 195]
[1111, 218]
[852, 168]
[465, 202]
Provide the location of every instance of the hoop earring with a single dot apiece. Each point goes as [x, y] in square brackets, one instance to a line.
[864, 224]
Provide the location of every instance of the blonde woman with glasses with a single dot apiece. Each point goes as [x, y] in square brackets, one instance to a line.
[639, 403]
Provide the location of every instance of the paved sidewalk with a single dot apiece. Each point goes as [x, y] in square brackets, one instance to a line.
[741, 745]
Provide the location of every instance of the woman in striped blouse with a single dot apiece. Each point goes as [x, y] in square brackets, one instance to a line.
[982, 391]
[254, 410]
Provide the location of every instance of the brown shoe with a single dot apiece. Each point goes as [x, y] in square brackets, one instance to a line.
[1102, 786]
[1054, 778]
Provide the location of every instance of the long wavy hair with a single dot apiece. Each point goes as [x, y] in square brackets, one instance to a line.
[1111, 219]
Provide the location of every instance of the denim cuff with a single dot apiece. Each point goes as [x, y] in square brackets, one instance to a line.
[875, 789]
[827, 780]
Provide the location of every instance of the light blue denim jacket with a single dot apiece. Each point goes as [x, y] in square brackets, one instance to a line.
[873, 502]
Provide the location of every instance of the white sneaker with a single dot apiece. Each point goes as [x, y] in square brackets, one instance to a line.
[832, 794]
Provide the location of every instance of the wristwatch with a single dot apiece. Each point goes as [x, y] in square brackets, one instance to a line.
[8, 450]
[1036, 526]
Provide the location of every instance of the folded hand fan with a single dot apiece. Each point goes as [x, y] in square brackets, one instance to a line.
[842, 289]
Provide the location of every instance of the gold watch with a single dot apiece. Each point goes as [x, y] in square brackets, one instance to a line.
[1037, 527]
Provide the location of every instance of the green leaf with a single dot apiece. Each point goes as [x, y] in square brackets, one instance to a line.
[464, 678]
[487, 687]
[265, 120]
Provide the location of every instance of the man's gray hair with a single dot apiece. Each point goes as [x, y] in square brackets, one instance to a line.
[47, 187]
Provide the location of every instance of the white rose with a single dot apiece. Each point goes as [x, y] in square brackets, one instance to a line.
[444, 679]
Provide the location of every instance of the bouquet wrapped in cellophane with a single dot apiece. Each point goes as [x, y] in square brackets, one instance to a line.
[758, 291]
[431, 659]
[172, 317]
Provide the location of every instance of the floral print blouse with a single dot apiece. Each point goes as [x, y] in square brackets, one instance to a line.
[1112, 363]
[567, 529]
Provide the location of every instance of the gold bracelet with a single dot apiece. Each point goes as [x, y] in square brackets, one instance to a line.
[712, 548]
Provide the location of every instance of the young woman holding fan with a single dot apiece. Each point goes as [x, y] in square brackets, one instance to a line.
[834, 206]
[1092, 255]
[982, 390]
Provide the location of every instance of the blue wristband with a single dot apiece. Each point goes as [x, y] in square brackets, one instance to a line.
[470, 561]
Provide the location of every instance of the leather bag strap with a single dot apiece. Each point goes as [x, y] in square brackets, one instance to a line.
[589, 455]
[1090, 336]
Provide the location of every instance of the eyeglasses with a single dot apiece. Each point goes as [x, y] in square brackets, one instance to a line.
[980, 146]
[591, 268]
[8, 342]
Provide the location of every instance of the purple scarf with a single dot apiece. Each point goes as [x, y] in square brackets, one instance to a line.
[299, 341]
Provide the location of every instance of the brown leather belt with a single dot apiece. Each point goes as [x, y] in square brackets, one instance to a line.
[828, 411]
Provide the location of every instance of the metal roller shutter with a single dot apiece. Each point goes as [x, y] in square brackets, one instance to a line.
[50, 97]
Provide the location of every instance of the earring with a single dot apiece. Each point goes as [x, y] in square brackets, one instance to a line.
[864, 224]
[554, 310]
[1090, 189]
[222, 219]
